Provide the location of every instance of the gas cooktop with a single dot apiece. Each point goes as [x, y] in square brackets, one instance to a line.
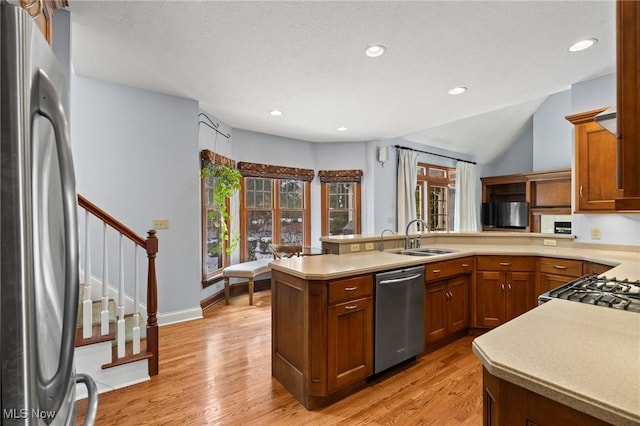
[600, 291]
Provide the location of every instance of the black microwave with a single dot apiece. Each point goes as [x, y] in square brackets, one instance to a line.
[505, 215]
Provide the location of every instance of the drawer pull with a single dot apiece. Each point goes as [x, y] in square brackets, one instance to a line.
[502, 287]
[509, 287]
[505, 264]
[560, 267]
[350, 288]
[436, 271]
[349, 307]
[465, 265]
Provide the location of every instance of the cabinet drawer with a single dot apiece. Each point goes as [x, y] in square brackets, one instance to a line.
[350, 288]
[448, 268]
[506, 263]
[571, 268]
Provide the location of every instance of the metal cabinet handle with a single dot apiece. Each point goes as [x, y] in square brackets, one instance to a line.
[502, 287]
[350, 288]
[560, 267]
[509, 287]
[505, 264]
[349, 307]
[436, 271]
[465, 265]
[580, 191]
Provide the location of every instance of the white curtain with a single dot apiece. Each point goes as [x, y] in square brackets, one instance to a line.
[466, 211]
[407, 181]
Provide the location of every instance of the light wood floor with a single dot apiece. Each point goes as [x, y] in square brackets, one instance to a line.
[218, 371]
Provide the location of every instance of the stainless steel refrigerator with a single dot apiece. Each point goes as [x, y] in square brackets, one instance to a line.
[39, 281]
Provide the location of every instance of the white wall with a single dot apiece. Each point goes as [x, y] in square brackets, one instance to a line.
[552, 133]
[136, 156]
[519, 157]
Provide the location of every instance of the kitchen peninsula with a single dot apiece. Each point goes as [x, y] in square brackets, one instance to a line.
[322, 318]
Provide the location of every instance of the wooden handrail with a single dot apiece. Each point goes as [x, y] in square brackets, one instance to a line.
[150, 244]
[111, 221]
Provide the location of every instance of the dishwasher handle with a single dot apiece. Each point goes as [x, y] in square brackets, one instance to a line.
[400, 280]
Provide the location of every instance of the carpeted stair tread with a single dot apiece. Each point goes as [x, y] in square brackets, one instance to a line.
[128, 329]
[96, 314]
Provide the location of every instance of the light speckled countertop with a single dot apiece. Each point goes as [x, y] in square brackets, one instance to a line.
[583, 356]
[587, 357]
[337, 266]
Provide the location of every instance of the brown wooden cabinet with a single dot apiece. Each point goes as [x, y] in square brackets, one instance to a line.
[595, 163]
[350, 333]
[506, 404]
[505, 288]
[554, 272]
[594, 268]
[446, 300]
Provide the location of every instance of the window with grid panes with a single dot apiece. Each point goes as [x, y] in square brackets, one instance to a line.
[435, 196]
[340, 195]
[212, 261]
[274, 211]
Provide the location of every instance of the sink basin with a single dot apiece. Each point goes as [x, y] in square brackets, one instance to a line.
[422, 251]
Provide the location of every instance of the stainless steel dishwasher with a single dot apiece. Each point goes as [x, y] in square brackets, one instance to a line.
[399, 312]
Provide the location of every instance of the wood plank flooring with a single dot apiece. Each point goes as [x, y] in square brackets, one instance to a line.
[217, 371]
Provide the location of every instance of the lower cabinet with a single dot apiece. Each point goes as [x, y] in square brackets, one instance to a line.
[555, 272]
[446, 308]
[505, 288]
[350, 343]
[506, 404]
[446, 302]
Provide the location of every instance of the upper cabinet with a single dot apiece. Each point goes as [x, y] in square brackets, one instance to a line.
[628, 100]
[42, 12]
[595, 163]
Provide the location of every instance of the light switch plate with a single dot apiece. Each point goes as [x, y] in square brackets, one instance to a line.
[161, 224]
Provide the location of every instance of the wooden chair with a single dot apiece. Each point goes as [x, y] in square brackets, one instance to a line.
[282, 251]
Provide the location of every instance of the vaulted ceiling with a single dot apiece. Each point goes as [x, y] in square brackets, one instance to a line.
[243, 59]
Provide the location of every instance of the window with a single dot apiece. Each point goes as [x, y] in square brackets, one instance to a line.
[212, 261]
[274, 208]
[435, 196]
[340, 192]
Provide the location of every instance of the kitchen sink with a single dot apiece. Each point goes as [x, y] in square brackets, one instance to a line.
[426, 251]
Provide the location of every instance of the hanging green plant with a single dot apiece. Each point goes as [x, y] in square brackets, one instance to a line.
[226, 183]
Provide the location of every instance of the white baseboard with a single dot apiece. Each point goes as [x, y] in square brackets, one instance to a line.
[179, 316]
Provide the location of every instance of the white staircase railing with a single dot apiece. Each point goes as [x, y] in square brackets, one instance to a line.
[126, 294]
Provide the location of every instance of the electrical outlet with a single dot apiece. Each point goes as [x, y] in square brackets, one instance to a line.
[355, 247]
[368, 246]
[551, 243]
[595, 233]
[161, 224]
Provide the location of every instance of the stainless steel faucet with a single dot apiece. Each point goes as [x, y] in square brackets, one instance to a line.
[382, 240]
[414, 242]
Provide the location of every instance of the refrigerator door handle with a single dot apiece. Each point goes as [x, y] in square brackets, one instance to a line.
[92, 398]
[49, 105]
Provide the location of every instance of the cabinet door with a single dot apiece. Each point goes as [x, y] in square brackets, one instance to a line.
[350, 348]
[595, 168]
[435, 312]
[551, 281]
[519, 293]
[490, 302]
[458, 306]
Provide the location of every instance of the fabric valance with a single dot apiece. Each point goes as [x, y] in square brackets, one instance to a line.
[340, 176]
[275, 172]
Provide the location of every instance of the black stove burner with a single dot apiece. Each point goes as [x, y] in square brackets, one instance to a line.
[601, 291]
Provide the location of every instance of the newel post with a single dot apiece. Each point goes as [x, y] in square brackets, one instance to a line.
[152, 302]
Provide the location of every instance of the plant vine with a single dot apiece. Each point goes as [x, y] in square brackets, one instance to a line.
[226, 183]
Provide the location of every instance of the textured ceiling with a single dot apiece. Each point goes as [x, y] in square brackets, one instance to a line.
[242, 59]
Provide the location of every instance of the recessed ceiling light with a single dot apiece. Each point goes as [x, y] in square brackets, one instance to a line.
[583, 44]
[276, 113]
[375, 50]
[342, 129]
[457, 90]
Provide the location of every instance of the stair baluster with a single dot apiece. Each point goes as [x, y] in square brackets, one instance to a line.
[121, 310]
[136, 308]
[104, 318]
[87, 304]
